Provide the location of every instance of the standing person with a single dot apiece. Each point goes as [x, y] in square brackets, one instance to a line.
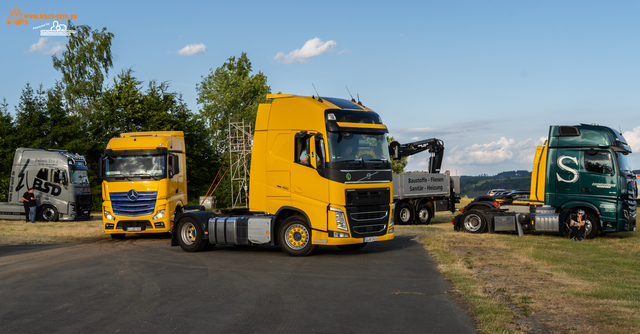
[577, 225]
[30, 199]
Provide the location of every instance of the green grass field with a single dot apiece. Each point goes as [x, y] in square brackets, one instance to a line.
[540, 283]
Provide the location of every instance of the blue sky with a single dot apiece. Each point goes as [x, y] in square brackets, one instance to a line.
[487, 77]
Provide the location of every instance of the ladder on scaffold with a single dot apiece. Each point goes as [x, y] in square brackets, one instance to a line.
[240, 140]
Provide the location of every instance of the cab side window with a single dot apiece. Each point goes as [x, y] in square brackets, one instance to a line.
[43, 174]
[56, 176]
[301, 151]
[598, 162]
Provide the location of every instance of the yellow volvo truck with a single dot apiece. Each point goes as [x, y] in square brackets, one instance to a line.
[144, 182]
[320, 175]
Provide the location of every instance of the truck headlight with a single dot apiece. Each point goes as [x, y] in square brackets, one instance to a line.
[341, 221]
[393, 212]
[158, 215]
[108, 215]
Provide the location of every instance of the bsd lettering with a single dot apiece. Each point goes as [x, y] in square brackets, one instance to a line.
[47, 187]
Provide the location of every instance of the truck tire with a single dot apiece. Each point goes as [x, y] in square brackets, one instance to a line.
[591, 225]
[404, 214]
[352, 248]
[48, 213]
[190, 235]
[295, 237]
[474, 221]
[423, 214]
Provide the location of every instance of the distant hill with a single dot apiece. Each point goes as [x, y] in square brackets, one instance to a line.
[473, 186]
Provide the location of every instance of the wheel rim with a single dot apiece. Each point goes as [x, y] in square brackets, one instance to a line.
[472, 222]
[405, 214]
[189, 233]
[48, 214]
[423, 215]
[297, 236]
[587, 227]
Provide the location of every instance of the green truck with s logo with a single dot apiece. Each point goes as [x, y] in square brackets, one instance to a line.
[583, 167]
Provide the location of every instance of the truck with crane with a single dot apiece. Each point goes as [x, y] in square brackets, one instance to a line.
[419, 195]
[582, 167]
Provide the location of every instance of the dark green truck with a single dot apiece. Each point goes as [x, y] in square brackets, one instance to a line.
[582, 167]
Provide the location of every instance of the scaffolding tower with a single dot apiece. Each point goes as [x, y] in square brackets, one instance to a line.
[240, 140]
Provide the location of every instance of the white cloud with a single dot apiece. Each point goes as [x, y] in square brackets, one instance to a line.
[633, 139]
[192, 49]
[497, 152]
[313, 47]
[46, 46]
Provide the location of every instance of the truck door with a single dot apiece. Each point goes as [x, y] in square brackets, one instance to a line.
[309, 188]
[567, 174]
[598, 184]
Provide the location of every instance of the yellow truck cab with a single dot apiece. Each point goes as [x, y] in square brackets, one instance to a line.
[320, 175]
[144, 182]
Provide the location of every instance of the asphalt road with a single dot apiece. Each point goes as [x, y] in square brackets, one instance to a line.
[143, 285]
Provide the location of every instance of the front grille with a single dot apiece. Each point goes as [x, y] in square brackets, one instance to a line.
[367, 229]
[123, 206]
[364, 216]
[83, 207]
[359, 197]
[368, 220]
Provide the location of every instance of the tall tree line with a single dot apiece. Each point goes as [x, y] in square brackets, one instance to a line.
[82, 112]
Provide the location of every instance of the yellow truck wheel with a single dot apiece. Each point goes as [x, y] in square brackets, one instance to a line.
[295, 237]
[190, 236]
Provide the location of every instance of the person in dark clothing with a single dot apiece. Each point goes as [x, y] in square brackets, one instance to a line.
[30, 200]
[577, 225]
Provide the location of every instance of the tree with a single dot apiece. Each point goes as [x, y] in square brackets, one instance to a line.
[30, 116]
[7, 148]
[84, 64]
[62, 128]
[231, 93]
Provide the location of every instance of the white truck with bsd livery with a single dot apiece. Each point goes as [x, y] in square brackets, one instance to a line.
[419, 195]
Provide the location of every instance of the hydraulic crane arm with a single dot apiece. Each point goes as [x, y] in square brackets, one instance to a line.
[435, 147]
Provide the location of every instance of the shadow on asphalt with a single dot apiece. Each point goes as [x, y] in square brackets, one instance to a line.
[398, 243]
[21, 249]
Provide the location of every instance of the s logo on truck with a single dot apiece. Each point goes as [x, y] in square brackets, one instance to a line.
[132, 195]
[568, 169]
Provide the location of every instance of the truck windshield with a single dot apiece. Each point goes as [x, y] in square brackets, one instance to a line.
[623, 162]
[346, 146]
[136, 166]
[79, 176]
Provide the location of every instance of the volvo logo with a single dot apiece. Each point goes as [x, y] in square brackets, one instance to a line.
[132, 195]
[368, 176]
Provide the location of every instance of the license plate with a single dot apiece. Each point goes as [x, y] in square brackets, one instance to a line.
[370, 239]
[134, 229]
